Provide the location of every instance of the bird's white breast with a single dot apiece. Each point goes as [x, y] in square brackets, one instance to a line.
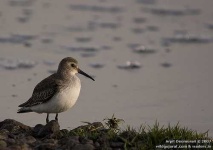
[63, 100]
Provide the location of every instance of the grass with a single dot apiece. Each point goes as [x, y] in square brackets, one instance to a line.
[144, 138]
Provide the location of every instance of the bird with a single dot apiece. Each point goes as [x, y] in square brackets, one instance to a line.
[58, 92]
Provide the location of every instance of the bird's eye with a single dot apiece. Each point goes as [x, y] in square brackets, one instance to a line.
[73, 65]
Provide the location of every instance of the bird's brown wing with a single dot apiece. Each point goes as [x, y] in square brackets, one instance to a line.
[43, 92]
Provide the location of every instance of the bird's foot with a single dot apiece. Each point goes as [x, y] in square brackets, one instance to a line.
[47, 119]
[56, 117]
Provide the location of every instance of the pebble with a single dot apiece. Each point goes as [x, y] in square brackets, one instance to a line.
[116, 144]
[14, 126]
[83, 147]
[44, 146]
[3, 136]
[30, 139]
[49, 129]
[3, 144]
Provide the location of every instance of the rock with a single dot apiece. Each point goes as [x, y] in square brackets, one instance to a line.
[103, 140]
[4, 131]
[64, 132]
[3, 144]
[25, 146]
[90, 127]
[15, 135]
[74, 138]
[3, 136]
[14, 126]
[117, 144]
[11, 141]
[97, 145]
[70, 142]
[21, 140]
[30, 139]
[52, 128]
[84, 140]
[37, 128]
[14, 147]
[46, 146]
[53, 141]
[84, 147]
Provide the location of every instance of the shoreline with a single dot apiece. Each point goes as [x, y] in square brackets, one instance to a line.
[97, 135]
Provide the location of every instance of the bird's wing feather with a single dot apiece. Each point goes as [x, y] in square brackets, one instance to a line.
[43, 92]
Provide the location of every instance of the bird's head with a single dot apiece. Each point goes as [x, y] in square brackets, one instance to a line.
[69, 66]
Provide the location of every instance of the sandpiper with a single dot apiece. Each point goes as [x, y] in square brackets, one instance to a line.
[58, 92]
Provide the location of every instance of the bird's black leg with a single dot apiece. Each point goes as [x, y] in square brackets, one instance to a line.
[47, 119]
[56, 117]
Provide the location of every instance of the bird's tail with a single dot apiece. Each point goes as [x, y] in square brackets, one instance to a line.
[24, 110]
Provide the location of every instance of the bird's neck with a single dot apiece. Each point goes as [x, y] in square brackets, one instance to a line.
[65, 74]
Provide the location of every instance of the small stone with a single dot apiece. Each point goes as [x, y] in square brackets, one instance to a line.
[15, 147]
[97, 145]
[3, 144]
[14, 126]
[90, 127]
[3, 136]
[53, 141]
[74, 138]
[117, 144]
[64, 132]
[4, 131]
[30, 139]
[69, 142]
[89, 142]
[85, 141]
[51, 128]
[10, 135]
[84, 147]
[10, 141]
[37, 128]
[46, 146]
[24, 147]
[73, 141]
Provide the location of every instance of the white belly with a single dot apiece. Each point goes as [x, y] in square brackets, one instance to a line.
[61, 102]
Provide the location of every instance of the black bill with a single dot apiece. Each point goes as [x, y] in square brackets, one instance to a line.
[83, 73]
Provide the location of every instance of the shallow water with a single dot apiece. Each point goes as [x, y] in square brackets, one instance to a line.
[178, 93]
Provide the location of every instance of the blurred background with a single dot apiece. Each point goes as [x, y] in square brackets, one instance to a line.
[152, 59]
